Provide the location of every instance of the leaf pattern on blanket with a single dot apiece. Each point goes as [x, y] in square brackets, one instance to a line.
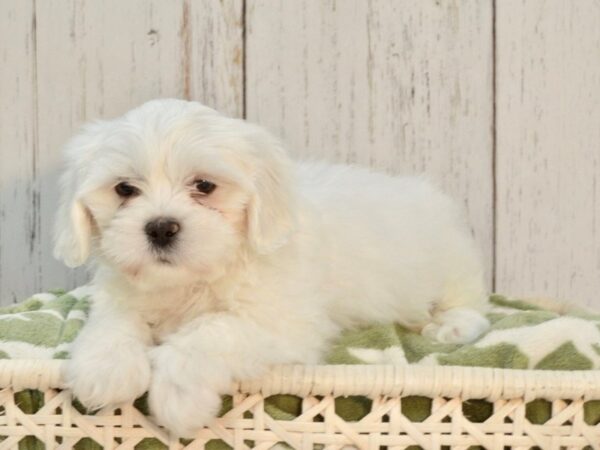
[523, 335]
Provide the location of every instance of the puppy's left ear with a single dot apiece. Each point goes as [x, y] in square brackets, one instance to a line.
[271, 211]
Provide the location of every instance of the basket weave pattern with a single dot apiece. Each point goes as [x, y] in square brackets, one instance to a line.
[59, 425]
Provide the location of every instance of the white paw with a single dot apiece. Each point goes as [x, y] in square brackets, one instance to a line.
[107, 374]
[181, 398]
[456, 326]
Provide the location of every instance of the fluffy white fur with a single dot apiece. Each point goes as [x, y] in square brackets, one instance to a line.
[265, 270]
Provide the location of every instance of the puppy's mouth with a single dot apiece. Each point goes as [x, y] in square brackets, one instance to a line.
[161, 256]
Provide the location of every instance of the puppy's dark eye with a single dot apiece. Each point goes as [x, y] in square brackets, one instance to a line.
[124, 189]
[205, 187]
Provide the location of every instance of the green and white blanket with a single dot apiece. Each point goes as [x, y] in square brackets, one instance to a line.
[524, 335]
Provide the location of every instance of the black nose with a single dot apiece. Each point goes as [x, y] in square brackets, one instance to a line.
[162, 232]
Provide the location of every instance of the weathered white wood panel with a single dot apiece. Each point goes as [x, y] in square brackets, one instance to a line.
[99, 59]
[19, 200]
[214, 36]
[548, 167]
[404, 86]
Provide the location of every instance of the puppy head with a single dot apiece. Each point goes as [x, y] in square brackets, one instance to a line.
[171, 193]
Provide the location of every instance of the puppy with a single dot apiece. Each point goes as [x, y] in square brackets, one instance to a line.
[216, 256]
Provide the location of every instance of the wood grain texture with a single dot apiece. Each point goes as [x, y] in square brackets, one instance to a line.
[19, 194]
[548, 128]
[403, 86]
[216, 54]
[97, 60]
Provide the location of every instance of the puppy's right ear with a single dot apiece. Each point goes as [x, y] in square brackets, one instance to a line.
[73, 223]
[73, 233]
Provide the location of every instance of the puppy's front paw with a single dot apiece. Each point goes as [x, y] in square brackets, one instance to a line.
[107, 373]
[182, 398]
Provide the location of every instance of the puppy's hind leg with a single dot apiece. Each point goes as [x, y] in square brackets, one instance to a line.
[459, 317]
[456, 326]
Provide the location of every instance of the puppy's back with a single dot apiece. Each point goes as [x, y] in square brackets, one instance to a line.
[389, 244]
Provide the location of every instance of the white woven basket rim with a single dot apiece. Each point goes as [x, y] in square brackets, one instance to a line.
[366, 380]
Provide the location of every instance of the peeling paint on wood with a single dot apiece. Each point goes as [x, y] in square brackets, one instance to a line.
[548, 128]
[216, 66]
[20, 266]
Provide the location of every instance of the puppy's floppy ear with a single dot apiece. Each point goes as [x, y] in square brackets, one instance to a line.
[73, 233]
[271, 210]
[73, 223]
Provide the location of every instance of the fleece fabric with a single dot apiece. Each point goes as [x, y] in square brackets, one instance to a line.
[524, 335]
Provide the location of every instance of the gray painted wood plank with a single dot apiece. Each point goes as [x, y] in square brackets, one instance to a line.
[19, 165]
[548, 129]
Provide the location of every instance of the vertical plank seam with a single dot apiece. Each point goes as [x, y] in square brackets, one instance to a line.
[187, 49]
[494, 150]
[244, 60]
[35, 248]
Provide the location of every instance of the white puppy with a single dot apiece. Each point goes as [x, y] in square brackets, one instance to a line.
[217, 256]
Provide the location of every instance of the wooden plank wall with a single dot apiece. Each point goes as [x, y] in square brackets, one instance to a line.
[548, 148]
[498, 102]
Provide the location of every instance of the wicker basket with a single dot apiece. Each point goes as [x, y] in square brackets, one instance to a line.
[60, 425]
